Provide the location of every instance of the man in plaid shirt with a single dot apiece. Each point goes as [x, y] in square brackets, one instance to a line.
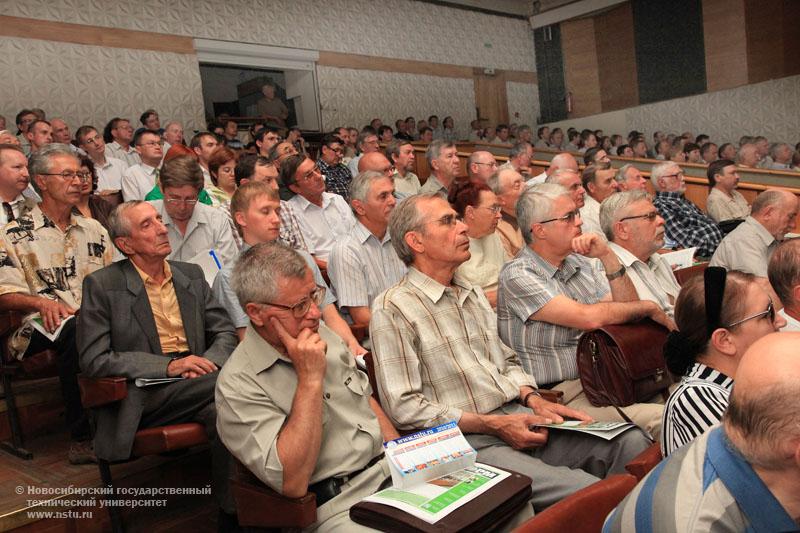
[686, 224]
[337, 175]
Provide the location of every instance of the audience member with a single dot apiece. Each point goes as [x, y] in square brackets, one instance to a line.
[507, 184]
[543, 137]
[599, 184]
[559, 161]
[108, 169]
[709, 152]
[598, 157]
[747, 156]
[271, 108]
[337, 175]
[639, 148]
[724, 202]
[448, 130]
[570, 180]
[14, 181]
[385, 134]
[519, 159]
[727, 151]
[118, 136]
[138, 180]
[443, 161]
[557, 139]
[401, 154]
[481, 165]
[204, 144]
[781, 155]
[173, 135]
[629, 178]
[231, 134]
[281, 151]
[6, 137]
[23, 120]
[39, 134]
[367, 143]
[266, 139]
[62, 135]
[92, 205]
[150, 121]
[425, 134]
[692, 152]
[784, 278]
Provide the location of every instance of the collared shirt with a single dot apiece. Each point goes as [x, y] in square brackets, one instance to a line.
[433, 185]
[792, 324]
[208, 229]
[590, 215]
[747, 248]
[109, 175]
[721, 207]
[38, 258]
[322, 226]
[536, 180]
[528, 283]
[138, 181]
[337, 178]
[290, 229]
[437, 353]
[686, 225]
[207, 181]
[19, 206]
[510, 235]
[254, 398]
[130, 156]
[406, 185]
[361, 267]
[653, 280]
[706, 486]
[486, 259]
[224, 293]
[166, 312]
[695, 405]
[352, 165]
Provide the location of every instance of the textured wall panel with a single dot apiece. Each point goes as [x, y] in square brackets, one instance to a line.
[91, 84]
[353, 97]
[523, 98]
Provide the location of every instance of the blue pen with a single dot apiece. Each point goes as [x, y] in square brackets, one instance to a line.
[216, 260]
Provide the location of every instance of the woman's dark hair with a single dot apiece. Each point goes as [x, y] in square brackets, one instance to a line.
[85, 161]
[726, 295]
[466, 193]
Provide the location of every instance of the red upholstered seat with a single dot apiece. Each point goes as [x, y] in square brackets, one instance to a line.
[152, 441]
[685, 274]
[645, 461]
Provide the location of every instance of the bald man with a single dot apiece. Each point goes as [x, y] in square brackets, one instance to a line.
[741, 476]
[561, 161]
[481, 165]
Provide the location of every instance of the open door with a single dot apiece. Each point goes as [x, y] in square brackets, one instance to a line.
[491, 101]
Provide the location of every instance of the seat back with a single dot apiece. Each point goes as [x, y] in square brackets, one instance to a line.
[586, 510]
[645, 461]
[685, 274]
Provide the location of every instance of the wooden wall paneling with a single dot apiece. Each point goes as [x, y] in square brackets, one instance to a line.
[725, 42]
[616, 58]
[764, 39]
[580, 66]
[491, 99]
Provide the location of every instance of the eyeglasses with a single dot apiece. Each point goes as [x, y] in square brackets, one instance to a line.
[184, 201]
[310, 174]
[769, 311]
[651, 216]
[493, 208]
[569, 218]
[300, 309]
[70, 175]
[448, 220]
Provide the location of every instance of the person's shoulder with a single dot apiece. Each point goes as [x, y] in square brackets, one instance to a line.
[110, 276]
[190, 270]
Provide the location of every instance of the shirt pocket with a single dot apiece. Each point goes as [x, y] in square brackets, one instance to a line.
[357, 382]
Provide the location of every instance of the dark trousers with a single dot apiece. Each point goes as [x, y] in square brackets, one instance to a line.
[68, 370]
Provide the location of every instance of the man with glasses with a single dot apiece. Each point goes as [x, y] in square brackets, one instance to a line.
[686, 225]
[146, 317]
[292, 406]
[367, 143]
[193, 228]
[140, 179]
[324, 217]
[635, 233]
[45, 254]
[481, 165]
[118, 135]
[108, 169]
[337, 175]
[553, 291]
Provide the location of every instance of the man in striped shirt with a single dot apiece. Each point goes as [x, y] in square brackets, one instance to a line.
[741, 476]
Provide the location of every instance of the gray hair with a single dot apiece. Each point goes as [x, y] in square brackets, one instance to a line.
[404, 218]
[773, 150]
[784, 270]
[360, 185]
[39, 162]
[435, 150]
[622, 174]
[610, 209]
[659, 170]
[519, 148]
[258, 272]
[743, 151]
[536, 204]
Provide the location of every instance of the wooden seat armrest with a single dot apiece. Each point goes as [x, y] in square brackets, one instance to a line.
[102, 391]
[643, 463]
[554, 396]
[257, 505]
[10, 321]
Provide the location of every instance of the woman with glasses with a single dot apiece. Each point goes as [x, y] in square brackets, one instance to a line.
[719, 315]
[479, 208]
[90, 204]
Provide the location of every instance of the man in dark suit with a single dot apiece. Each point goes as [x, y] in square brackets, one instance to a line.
[146, 317]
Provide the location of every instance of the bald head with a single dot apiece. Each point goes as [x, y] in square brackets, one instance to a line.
[776, 210]
[374, 161]
[481, 165]
[562, 161]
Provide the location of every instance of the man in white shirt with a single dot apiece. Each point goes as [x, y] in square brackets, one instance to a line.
[204, 144]
[173, 135]
[323, 217]
[784, 277]
[192, 227]
[560, 161]
[14, 179]
[635, 232]
[118, 134]
[140, 179]
[108, 169]
[599, 184]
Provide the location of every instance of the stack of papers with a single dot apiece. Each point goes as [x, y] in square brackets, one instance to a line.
[604, 430]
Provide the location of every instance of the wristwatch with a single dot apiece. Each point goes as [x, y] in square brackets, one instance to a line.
[528, 397]
[618, 274]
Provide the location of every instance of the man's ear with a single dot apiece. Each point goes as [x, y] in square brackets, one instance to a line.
[123, 245]
[358, 206]
[293, 188]
[252, 313]
[414, 242]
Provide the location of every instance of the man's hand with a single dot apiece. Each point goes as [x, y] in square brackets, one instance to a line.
[658, 315]
[518, 430]
[53, 312]
[307, 352]
[191, 366]
[356, 348]
[590, 245]
[555, 411]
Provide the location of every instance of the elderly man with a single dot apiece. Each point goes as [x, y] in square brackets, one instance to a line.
[481, 165]
[118, 136]
[14, 180]
[173, 135]
[572, 181]
[635, 233]
[367, 143]
[749, 247]
[39, 134]
[784, 277]
[109, 170]
[401, 155]
[629, 178]
[507, 184]
[45, 253]
[146, 317]
[337, 175]
[519, 159]
[560, 161]
[741, 476]
[552, 292]
[442, 157]
[138, 180]
[323, 217]
[193, 227]
[291, 404]
[62, 135]
[476, 380]
[724, 201]
[686, 224]
[747, 156]
[781, 155]
[599, 184]
[364, 263]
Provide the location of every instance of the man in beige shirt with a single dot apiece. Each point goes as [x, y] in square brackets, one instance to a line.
[291, 404]
[271, 107]
[508, 185]
[724, 201]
